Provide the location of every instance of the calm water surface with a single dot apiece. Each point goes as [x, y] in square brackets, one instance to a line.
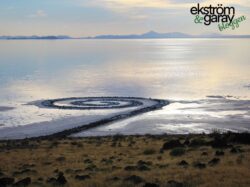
[184, 71]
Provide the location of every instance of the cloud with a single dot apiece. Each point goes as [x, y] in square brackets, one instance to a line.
[38, 14]
[127, 3]
[136, 3]
[158, 9]
[161, 4]
[138, 9]
[244, 3]
[118, 5]
[186, 1]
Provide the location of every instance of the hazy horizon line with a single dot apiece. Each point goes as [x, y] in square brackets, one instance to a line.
[121, 34]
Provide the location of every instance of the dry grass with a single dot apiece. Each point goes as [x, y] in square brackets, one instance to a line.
[104, 160]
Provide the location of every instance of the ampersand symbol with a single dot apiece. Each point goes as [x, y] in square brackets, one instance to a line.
[198, 19]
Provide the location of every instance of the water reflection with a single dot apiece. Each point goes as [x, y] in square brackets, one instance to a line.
[180, 69]
[184, 117]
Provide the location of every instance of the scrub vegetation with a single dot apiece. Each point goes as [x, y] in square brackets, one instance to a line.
[162, 160]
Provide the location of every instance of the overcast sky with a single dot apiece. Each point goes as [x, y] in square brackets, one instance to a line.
[93, 17]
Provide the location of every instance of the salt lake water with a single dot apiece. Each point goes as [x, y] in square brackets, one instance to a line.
[206, 80]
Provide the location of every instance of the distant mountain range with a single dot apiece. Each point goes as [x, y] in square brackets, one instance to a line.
[155, 35]
[34, 37]
[148, 35]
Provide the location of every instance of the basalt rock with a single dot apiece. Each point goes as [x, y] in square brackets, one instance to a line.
[82, 177]
[24, 182]
[134, 179]
[150, 185]
[6, 181]
[171, 144]
[214, 161]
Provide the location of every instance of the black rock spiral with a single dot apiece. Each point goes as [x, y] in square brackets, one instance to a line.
[138, 106]
[89, 103]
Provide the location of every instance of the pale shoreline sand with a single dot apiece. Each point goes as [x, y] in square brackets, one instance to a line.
[65, 127]
[177, 117]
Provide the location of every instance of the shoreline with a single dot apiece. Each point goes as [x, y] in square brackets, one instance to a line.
[178, 117]
[145, 107]
[239, 137]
